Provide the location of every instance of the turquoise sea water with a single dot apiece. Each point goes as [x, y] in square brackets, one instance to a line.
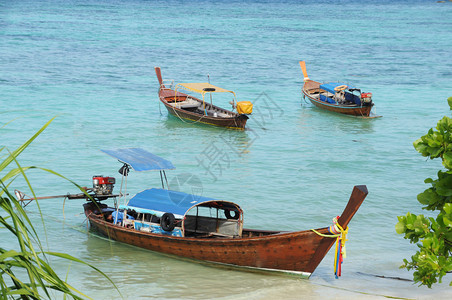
[91, 64]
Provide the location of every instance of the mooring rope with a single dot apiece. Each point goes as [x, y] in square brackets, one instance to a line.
[202, 116]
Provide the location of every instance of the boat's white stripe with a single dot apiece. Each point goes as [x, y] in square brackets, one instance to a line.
[304, 274]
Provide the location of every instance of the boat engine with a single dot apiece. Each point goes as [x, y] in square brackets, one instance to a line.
[366, 98]
[245, 107]
[103, 185]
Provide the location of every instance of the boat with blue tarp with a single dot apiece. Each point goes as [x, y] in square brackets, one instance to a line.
[337, 97]
[205, 228]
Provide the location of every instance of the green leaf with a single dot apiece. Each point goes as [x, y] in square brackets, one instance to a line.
[19, 150]
[428, 180]
[444, 185]
[419, 145]
[37, 278]
[400, 227]
[449, 101]
[428, 197]
[427, 243]
[447, 222]
[444, 124]
[448, 208]
[435, 152]
[447, 160]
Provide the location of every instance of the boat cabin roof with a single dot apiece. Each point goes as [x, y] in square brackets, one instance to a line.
[329, 87]
[203, 88]
[159, 201]
[140, 159]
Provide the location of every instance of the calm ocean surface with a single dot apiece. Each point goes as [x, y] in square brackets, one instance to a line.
[91, 64]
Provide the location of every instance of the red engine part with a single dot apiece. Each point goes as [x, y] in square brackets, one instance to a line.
[366, 95]
[104, 180]
[103, 185]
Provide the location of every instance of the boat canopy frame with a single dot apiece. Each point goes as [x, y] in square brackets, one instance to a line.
[203, 88]
[141, 160]
[185, 208]
[160, 201]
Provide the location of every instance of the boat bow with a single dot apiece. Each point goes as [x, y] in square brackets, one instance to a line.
[357, 197]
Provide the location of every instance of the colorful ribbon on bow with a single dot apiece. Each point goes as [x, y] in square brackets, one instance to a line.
[340, 253]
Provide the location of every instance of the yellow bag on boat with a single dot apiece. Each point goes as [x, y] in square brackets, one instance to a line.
[244, 107]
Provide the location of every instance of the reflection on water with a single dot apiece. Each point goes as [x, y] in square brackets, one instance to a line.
[175, 123]
[237, 140]
[326, 120]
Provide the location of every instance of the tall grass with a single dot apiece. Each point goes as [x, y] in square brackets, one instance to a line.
[25, 271]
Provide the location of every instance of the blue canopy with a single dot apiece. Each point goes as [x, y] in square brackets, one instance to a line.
[329, 87]
[160, 200]
[140, 160]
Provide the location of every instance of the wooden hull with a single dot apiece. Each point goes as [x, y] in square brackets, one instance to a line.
[236, 122]
[294, 252]
[310, 89]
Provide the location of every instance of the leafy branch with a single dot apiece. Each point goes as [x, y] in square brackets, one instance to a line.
[433, 236]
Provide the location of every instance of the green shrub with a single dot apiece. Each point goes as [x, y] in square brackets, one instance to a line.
[433, 236]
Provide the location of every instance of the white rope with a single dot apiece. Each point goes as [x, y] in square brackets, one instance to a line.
[202, 116]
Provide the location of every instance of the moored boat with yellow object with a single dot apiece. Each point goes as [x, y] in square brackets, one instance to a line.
[199, 110]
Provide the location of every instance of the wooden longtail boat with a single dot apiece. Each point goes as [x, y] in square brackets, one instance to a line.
[207, 229]
[337, 97]
[195, 110]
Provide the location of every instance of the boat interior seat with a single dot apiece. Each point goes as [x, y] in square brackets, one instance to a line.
[223, 115]
[211, 112]
[185, 104]
[212, 226]
[175, 98]
[353, 98]
[170, 95]
[327, 97]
